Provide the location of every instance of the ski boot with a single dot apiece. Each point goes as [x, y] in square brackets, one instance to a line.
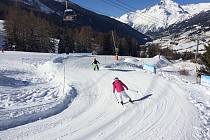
[131, 101]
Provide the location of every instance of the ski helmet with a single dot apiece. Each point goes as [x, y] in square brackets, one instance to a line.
[116, 78]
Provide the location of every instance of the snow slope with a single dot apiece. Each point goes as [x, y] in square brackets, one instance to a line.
[47, 96]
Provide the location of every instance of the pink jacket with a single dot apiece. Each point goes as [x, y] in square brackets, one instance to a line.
[119, 86]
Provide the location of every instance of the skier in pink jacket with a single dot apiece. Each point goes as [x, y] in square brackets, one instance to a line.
[119, 86]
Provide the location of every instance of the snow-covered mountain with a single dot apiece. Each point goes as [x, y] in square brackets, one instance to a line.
[166, 13]
[189, 35]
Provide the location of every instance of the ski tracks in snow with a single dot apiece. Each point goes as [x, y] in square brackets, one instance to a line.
[160, 111]
[162, 115]
[25, 93]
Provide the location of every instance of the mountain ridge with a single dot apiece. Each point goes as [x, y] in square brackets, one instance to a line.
[162, 15]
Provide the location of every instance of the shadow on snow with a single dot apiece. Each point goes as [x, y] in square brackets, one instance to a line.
[143, 98]
[120, 70]
[35, 116]
[11, 82]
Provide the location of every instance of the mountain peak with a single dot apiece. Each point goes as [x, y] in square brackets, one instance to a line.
[166, 2]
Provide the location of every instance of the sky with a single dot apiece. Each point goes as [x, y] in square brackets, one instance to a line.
[104, 7]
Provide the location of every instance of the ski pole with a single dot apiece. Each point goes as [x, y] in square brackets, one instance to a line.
[133, 90]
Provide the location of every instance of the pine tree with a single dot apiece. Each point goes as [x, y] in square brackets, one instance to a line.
[206, 58]
[126, 43]
[27, 31]
[67, 42]
[134, 49]
[106, 44]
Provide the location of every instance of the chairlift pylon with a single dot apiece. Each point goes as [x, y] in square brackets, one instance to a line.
[69, 14]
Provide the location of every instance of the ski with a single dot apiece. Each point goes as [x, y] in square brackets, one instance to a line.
[127, 104]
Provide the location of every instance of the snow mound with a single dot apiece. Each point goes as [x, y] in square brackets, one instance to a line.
[123, 66]
[130, 63]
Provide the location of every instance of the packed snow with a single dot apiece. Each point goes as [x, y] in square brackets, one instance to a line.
[58, 96]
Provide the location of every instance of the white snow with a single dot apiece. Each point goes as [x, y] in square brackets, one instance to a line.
[51, 97]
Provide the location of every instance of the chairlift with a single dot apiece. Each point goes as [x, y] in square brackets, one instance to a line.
[69, 14]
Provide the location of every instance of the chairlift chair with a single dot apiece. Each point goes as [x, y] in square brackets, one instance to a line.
[69, 15]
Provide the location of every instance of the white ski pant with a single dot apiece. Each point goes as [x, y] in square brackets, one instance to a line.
[122, 94]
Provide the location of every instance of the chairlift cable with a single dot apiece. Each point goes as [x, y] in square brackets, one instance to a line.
[66, 5]
[137, 9]
[115, 6]
[69, 14]
[114, 42]
[129, 9]
[94, 10]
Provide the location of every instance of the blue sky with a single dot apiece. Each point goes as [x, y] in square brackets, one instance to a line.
[104, 7]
